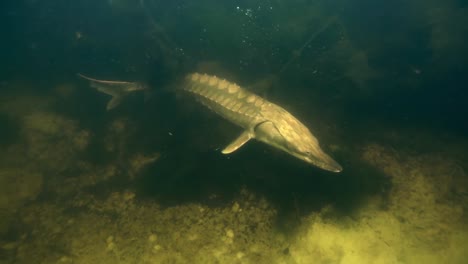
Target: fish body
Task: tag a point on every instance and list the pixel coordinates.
(260, 119)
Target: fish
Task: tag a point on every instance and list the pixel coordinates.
(259, 118)
(117, 89)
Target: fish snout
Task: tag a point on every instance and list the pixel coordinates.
(323, 161)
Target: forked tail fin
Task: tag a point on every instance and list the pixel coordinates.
(117, 89)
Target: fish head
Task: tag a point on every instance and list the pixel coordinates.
(295, 139)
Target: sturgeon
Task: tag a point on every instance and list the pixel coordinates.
(261, 120)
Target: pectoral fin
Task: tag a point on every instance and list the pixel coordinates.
(237, 143)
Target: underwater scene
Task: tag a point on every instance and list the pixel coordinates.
(235, 131)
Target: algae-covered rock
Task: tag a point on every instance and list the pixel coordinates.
(425, 196)
(139, 161)
(368, 240)
(52, 141)
(418, 221)
(421, 220)
(18, 186)
(123, 229)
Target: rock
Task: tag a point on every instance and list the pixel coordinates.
(18, 186)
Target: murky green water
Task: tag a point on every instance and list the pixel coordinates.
(381, 85)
